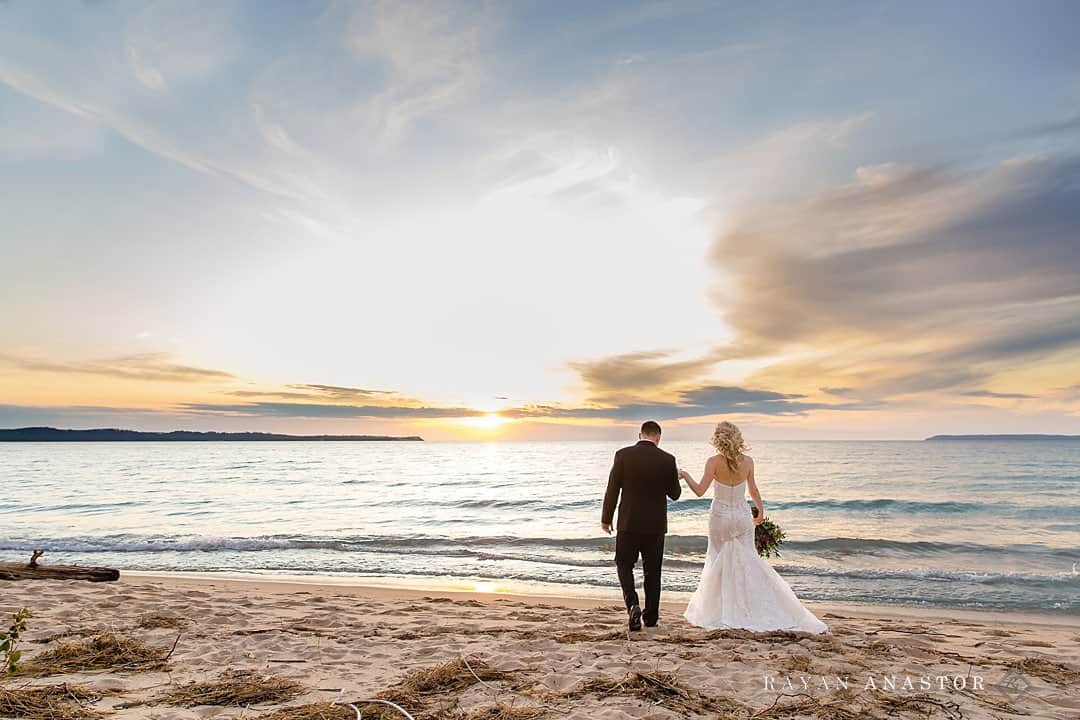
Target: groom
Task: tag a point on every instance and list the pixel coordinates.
(646, 476)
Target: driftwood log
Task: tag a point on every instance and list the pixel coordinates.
(33, 571)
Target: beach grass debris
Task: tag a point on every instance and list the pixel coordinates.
(501, 711)
(810, 708)
(369, 710)
(315, 711)
(233, 688)
(429, 692)
(582, 636)
(802, 705)
(100, 652)
(799, 664)
(372, 711)
(446, 677)
(156, 621)
(922, 705)
(779, 637)
(663, 689)
(1050, 671)
(49, 702)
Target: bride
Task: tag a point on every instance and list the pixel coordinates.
(738, 588)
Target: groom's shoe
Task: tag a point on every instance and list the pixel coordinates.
(651, 623)
(635, 618)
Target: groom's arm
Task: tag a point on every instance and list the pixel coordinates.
(611, 496)
(674, 489)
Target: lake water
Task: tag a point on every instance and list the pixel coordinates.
(993, 524)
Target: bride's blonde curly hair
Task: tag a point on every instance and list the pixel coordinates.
(728, 441)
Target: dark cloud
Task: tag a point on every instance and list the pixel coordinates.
(272, 394)
(697, 402)
(912, 280)
(317, 410)
(1034, 337)
(635, 373)
(147, 366)
(338, 391)
(927, 379)
(1001, 395)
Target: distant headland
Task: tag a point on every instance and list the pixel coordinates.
(49, 434)
(937, 438)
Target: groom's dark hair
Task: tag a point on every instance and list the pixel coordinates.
(651, 428)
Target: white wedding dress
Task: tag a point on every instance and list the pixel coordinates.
(738, 588)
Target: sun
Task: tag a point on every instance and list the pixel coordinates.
(487, 421)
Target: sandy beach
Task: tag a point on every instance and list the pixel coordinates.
(200, 648)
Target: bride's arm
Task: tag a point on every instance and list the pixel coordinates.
(699, 488)
(754, 493)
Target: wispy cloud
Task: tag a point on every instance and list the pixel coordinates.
(147, 366)
(317, 392)
(430, 52)
(168, 46)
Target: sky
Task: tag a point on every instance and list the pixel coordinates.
(541, 220)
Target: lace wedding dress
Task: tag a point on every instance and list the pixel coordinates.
(738, 588)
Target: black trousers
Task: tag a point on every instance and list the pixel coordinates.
(650, 546)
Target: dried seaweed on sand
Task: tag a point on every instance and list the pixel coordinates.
(49, 702)
(500, 711)
(104, 651)
(154, 621)
(441, 679)
(802, 705)
(1050, 671)
(238, 688)
(314, 711)
(660, 688)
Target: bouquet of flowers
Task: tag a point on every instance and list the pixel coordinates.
(768, 536)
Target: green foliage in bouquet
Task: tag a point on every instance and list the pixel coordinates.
(768, 536)
(9, 655)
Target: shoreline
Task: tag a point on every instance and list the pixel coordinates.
(673, 601)
(584, 596)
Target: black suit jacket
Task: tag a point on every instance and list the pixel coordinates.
(646, 477)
